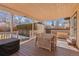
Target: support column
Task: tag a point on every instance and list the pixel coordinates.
(11, 25)
(77, 42)
(33, 29)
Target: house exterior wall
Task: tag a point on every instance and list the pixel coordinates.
(40, 28)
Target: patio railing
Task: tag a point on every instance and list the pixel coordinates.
(6, 35)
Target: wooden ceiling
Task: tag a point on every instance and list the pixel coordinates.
(41, 11)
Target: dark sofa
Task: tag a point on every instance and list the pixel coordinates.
(9, 46)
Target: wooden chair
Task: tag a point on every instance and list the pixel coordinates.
(54, 41)
(46, 41)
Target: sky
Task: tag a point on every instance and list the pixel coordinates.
(26, 20)
(21, 19)
(56, 22)
(49, 22)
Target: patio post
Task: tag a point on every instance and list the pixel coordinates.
(11, 25)
(32, 28)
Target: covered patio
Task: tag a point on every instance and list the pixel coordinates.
(44, 12)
